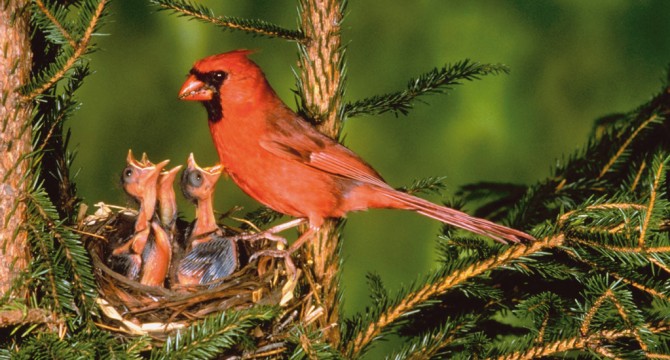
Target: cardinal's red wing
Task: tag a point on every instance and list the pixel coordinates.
(316, 150)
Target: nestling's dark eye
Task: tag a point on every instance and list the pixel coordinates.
(127, 174)
(195, 179)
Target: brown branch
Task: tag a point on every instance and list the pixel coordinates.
(543, 329)
(659, 264)
(609, 295)
(547, 349)
(633, 250)
(24, 317)
(233, 24)
(648, 290)
(652, 202)
(55, 123)
(50, 274)
(638, 175)
(622, 312)
(584, 329)
(577, 343)
(429, 352)
(79, 50)
(443, 285)
(625, 145)
(620, 206)
(56, 23)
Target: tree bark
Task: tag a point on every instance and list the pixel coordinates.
(321, 78)
(15, 141)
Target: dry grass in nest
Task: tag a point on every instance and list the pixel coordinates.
(132, 308)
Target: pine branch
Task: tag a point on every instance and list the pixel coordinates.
(624, 146)
(433, 344)
(437, 81)
(91, 344)
(70, 57)
(252, 26)
(207, 339)
(52, 25)
(310, 345)
(597, 312)
(68, 259)
(498, 198)
(49, 136)
(597, 341)
(659, 169)
(16, 317)
(610, 160)
(434, 184)
(364, 334)
(261, 216)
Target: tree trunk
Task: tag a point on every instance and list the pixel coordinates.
(321, 78)
(15, 138)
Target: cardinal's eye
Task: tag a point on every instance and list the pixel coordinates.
(195, 179)
(215, 78)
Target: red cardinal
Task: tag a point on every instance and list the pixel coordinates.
(280, 160)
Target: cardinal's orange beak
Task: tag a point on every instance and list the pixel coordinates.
(195, 90)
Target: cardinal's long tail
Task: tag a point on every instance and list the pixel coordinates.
(456, 218)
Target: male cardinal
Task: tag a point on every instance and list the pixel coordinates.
(278, 158)
(147, 256)
(210, 256)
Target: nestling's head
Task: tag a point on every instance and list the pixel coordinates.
(198, 183)
(140, 177)
(224, 79)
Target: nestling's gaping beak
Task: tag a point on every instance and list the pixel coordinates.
(195, 90)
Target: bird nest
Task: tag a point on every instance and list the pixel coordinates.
(132, 308)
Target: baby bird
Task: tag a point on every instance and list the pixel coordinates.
(167, 204)
(210, 256)
(139, 257)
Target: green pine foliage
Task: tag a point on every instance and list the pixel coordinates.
(594, 284)
(436, 81)
(212, 336)
(202, 13)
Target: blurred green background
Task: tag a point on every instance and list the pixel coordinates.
(571, 61)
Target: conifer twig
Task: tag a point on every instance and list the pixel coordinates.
(625, 145)
(50, 267)
(432, 82)
(658, 175)
(79, 50)
(56, 23)
(430, 290)
(577, 343)
(648, 290)
(21, 317)
(638, 176)
(252, 26)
